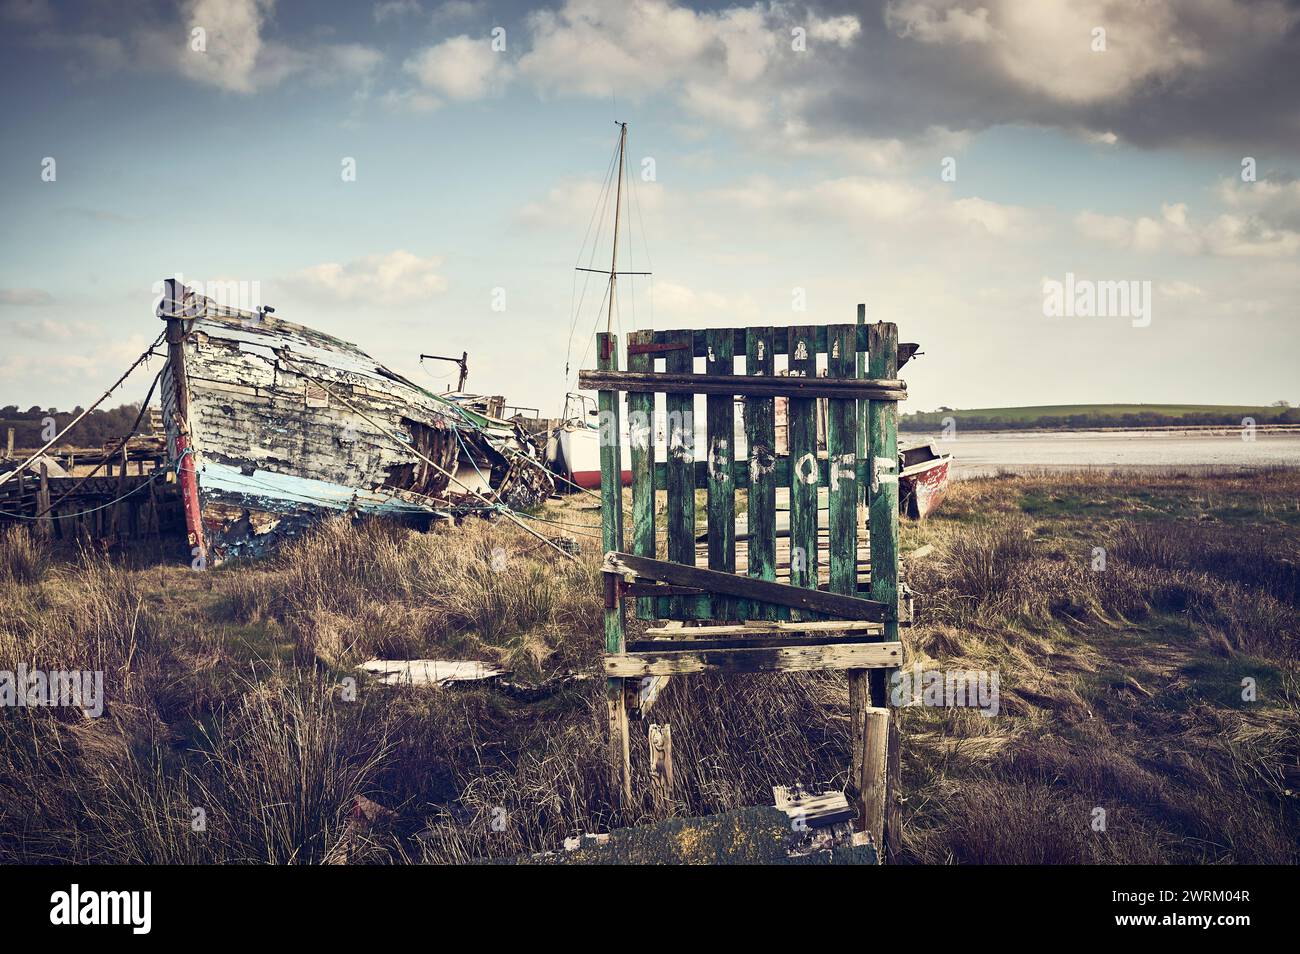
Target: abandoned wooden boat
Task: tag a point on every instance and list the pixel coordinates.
(922, 480)
(271, 425)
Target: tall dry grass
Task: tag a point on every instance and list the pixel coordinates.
(1120, 691)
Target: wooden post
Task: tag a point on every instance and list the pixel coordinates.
(873, 783)
(661, 768)
(882, 461)
(9, 444)
(183, 450)
(882, 450)
(611, 519)
(45, 525)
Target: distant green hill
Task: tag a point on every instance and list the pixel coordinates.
(1098, 415)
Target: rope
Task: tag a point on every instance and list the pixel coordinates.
(144, 406)
(407, 447)
(4, 478)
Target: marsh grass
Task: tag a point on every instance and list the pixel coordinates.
(1121, 690)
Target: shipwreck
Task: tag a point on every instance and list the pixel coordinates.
(271, 425)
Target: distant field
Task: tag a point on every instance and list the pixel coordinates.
(1103, 415)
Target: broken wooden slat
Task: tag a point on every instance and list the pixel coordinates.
(776, 659)
(831, 604)
(429, 672)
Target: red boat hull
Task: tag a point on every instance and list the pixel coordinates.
(922, 489)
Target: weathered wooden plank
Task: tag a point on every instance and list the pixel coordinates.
(841, 454)
(721, 438)
(765, 641)
(611, 520)
(872, 785)
(882, 449)
(779, 659)
(776, 626)
(831, 604)
(760, 436)
(680, 447)
(802, 418)
(641, 416)
(792, 387)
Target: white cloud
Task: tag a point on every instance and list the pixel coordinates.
(1047, 45)
(395, 278)
(233, 41)
(461, 67)
(1229, 235)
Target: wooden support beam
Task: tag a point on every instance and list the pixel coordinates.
(611, 518)
(807, 388)
(836, 655)
(764, 628)
(831, 604)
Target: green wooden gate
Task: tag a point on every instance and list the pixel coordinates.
(815, 590)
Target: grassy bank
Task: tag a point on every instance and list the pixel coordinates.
(1086, 416)
(1120, 689)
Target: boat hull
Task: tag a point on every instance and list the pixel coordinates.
(575, 455)
(921, 488)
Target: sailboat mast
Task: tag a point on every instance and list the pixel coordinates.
(618, 204)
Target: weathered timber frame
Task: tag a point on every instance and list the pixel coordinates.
(819, 602)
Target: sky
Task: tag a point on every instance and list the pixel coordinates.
(416, 176)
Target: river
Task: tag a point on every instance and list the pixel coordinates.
(980, 453)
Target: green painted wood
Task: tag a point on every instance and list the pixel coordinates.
(860, 365)
(841, 453)
(611, 480)
(740, 472)
(700, 348)
(720, 437)
(680, 438)
(801, 418)
(760, 469)
(882, 450)
(641, 436)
